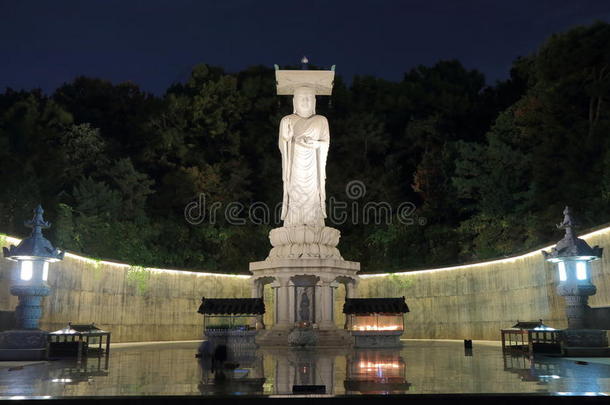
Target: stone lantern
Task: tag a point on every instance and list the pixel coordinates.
(33, 256)
(573, 257)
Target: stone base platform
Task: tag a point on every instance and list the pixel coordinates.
(586, 351)
(322, 275)
(326, 338)
(584, 343)
(304, 268)
(328, 268)
(242, 338)
(23, 354)
(23, 345)
(373, 339)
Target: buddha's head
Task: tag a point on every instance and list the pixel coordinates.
(304, 101)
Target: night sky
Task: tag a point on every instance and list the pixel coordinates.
(154, 43)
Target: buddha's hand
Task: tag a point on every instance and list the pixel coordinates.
(307, 142)
(314, 143)
(287, 129)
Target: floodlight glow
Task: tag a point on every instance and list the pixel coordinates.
(562, 271)
(581, 270)
(62, 380)
(45, 271)
(26, 270)
(373, 365)
(375, 327)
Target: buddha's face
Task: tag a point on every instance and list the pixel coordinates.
(304, 101)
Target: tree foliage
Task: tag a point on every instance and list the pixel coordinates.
(487, 168)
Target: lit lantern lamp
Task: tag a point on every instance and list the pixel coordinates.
(33, 256)
(573, 258)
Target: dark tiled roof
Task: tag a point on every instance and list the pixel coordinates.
(85, 328)
(375, 306)
(529, 325)
(232, 306)
(79, 329)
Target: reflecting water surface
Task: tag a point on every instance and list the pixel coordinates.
(419, 367)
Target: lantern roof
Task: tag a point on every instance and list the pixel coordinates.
(36, 246)
(571, 247)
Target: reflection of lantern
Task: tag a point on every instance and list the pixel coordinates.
(573, 257)
(375, 322)
(33, 255)
(376, 372)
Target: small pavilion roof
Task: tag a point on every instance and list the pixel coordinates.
(78, 329)
(362, 306)
(232, 306)
(530, 325)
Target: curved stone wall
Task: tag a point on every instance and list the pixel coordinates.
(476, 301)
(462, 302)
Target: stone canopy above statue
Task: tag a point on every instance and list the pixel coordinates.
(288, 81)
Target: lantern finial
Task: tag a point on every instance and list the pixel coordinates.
(571, 246)
(36, 246)
(37, 223)
(568, 222)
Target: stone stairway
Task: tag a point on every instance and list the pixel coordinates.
(272, 338)
(334, 338)
(326, 338)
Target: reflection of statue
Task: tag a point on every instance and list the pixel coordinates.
(303, 141)
(304, 307)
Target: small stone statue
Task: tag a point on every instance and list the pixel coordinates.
(304, 307)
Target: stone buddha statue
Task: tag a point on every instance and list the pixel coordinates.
(303, 141)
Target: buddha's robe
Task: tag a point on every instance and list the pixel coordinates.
(304, 169)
